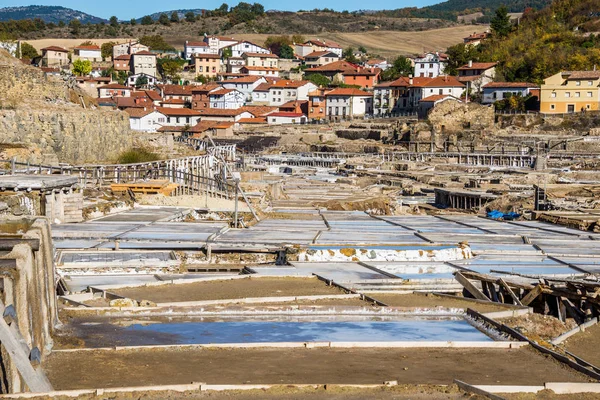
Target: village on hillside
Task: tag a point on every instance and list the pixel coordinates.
(220, 84)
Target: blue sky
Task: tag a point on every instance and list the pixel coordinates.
(138, 8)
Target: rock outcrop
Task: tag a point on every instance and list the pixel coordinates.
(453, 117)
(43, 120)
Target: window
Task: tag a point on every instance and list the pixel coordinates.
(590, 83)
(567, 94)
(589, 94)
(577, 94)
(578, 83)
(552, 106)
(587, 106)
(553, 94)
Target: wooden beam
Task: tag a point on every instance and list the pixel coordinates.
(512, 294)
(531, 296)
(475, 292)
(13, 342)
(7, 244)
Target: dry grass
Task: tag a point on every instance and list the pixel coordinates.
(384, 43)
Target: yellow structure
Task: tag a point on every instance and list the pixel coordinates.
(571, 92)
(208, 65)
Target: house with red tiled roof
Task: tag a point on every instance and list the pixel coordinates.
(201, 95)
(260, 71)
(122, 63)
(378, 63)
(211, 128)
(191, 48)
(145, 119)
(226, 99)
(477, 74)
(128, 48)
(219, 42)
(143, 62)
(318, 58)
(183, 92)
(91, 53)
(54, 56)
(259, 111)
(496, 91)
(286, 118)
(571, 92)
(283, 91)
(440, 85)
(220, 114)
(207, 65)
(90, 84)
(295, 106)
(347, 103)
(245, 84)
(245, 46)
(114, 90)
(268, 60)
(316, 104)
(180, 116)
(319, 45)
(430, 65)
(475, 39)
(132, 80)
(348, 73)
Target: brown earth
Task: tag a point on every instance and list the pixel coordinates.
(549, 395)
(229, 289)
(96, 369)
(586, 345)
(432, 301)
(537, 326)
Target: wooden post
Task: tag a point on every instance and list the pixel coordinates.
(478, 294)
(532, 295)
(510, 292)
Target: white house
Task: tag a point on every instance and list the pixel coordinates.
(152, 80)
(324, 45)
(145, 119)
(190, 48)
(128, 48)
(477, 75)
(442, 85)
(245, 84)
(261, 60)
(239, 48)
(282, 91)
(282, 118)
(378, 63)
(91, 53)
(143, 62)
(114, 89)
(179, 116)
(260, 71)
(496, 91)
(430, 65)
(226, 99)
(219, 42)
(234, 64)
(348, 103)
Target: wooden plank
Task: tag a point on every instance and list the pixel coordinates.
(512, 294)
(475, 292)
(531, 296)
(11, 339)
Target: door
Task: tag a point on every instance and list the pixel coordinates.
(571, 108)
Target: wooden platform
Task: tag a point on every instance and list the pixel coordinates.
(147, 187)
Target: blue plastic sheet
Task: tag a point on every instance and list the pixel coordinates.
(495, 214)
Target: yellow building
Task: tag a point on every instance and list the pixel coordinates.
(208, 65)
(570, 92)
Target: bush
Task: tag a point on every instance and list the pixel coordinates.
(134, 156)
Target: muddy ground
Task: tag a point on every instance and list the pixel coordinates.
(586, 345)
(230, 289)
(431, 301)
(93, 369)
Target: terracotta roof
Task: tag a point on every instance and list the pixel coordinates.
(139, 112)
(582, 74)
(259, 120)
(347, 92)
(263, 87)
(444, 81)
(286, 114)
(469, 78)
(323, 43)
(258, 111)
(316, 54)
(92, 47)
(144, 53)
(476, 36)
(270, 55)
(178, 112)
(341, 66)
(221, 92)
(173, 101)
(127, 102)
(319, 92)
(115, 86)
(419, 81)
(206, 88)
(375, 62)
(435, 97)
(204, 126)
(220, 112)
(286, 84)
(154, 96)
(170, 90)
(293, 103)
(478, 65)
(510, 85)
(55, 48)
(196, 44)
(124, 57)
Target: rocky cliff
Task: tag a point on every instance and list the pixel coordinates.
(43, 120)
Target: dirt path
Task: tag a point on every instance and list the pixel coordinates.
(96, 369)
(230, 289)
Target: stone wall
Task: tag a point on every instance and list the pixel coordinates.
(453, 116)
(45, 120)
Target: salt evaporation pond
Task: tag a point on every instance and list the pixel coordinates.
(142, 333)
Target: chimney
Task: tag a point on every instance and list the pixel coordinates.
(410, 79)
(470, 63)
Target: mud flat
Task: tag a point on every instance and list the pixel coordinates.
(586, 345)
(181, 365)
(229, 289)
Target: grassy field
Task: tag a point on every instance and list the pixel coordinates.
(384, 43)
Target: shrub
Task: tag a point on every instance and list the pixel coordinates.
(137, 155)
